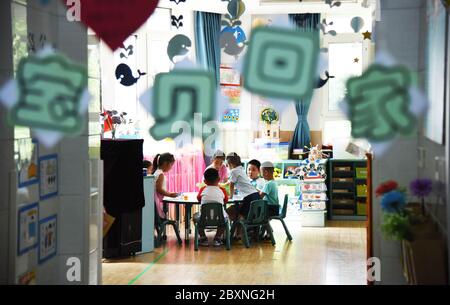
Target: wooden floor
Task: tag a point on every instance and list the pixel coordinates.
(333, 255)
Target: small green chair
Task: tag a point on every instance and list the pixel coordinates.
(282, 216)
(256, 218)
(211, 217)
(160, 226)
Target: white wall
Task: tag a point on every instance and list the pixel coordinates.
(399, 33)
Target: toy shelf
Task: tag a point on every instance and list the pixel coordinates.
(347, 189)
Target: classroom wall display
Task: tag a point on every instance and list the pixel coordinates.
(177, 21)
(232, 36)
(233, 94)
(229, 76)
(26, 158)
(178, 46)
(27, 228)
(231, 115)
(48, 171)
(47, 238)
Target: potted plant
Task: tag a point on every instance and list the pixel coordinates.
(423, 250)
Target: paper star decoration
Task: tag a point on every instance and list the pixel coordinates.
(356, 60)
(367, 35)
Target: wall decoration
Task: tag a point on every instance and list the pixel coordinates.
(48, 171)
(323, 27)
(178, 46)
(357, 24)
(233, 94)
(125, 75)
(178, 1)
(229, 76)
(333, 3)
(26, 155)
(47, 238)
(27, 228)
(28, 278)
(322, 82)
(367, 35)
(232, 115)
(128, 51)
(232, 37)
(177, 21)
(114, 21)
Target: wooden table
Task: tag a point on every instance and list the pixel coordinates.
(189, 199)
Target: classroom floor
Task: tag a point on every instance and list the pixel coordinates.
(332, 255)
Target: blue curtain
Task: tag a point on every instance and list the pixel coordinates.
(302, 137)
(207, 33)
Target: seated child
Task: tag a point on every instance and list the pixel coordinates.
(240, 181)
(253, 172)
(270, 191)
(218, 164)
(162, 164)
(211, 193)
(147, 165)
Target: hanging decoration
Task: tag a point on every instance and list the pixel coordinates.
(323, 26)
(114, 21)
(177, 21)
(178, 46)
(333, 3)
(123, 72)
(233, 38)
(357, 24)
(178, 1)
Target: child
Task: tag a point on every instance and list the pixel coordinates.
(240, 181)
(147, 165)
(162, 164)
(218, 164)
(270, 191)
(253, 172)
(212, 193)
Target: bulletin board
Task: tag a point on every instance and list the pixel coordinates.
(48, 172)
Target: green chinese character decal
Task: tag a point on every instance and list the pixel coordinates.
(379, 103)
(50, 93)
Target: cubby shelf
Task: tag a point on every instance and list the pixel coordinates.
(354, 173)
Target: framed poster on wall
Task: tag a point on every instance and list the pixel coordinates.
(26, 153)
(27, 228)
(47, 238)
(48, 172)
(229, 77)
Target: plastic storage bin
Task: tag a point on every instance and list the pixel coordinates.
(313, 218)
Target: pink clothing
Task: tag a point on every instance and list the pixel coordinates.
(223, 172)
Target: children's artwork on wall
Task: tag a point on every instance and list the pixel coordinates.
(27, 228)
(229, 76)
(178, 46)
(114, 21)
(177, 21)
(232, 115)
(48, 170)
(126, 76)
(233, 94)
(26, 155)
(28, 278)
(47, 238)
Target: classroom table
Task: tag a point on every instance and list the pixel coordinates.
(189, 199)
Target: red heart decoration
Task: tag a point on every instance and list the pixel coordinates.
(115, 20)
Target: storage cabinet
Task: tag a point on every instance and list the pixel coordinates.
(347, 189)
